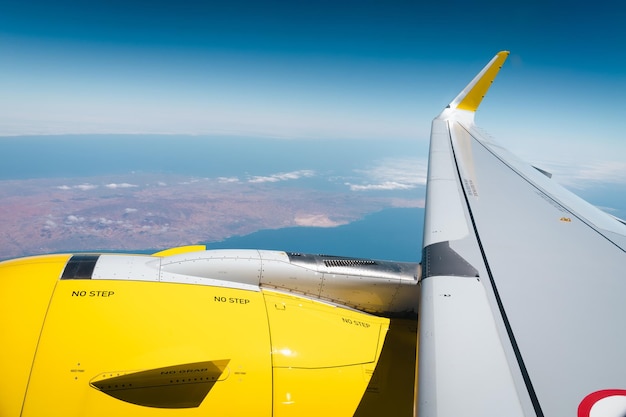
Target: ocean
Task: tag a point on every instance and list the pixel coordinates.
(391, 234)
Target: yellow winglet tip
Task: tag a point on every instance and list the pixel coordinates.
(472, 95)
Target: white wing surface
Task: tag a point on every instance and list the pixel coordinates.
(523, 292)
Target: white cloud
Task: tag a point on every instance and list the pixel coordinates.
(74, 219)
(85, 187)
(608, 171)
(226, 180)
(82, 187)
(189, 182)
(49, 224)
(587, 174)
(387, 185)
(130, 210)
(121, 185)
(393, 174)
(283, 176)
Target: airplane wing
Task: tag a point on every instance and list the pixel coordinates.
(522, 293)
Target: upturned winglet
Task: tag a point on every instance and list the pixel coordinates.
(470, 98)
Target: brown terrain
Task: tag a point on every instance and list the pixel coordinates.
(158, 211)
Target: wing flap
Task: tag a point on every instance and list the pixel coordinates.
(467, 371)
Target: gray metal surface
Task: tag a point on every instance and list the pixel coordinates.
(558, 273)
(373, 286)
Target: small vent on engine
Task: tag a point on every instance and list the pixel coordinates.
(348, 262)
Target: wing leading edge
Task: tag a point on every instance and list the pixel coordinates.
(522, 287)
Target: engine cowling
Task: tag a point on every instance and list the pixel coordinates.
(119, 345)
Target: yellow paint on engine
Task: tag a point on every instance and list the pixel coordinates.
(323, 355)
(95, 327)
(180, 249)
(26, 286)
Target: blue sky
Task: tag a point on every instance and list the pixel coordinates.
(367, 70)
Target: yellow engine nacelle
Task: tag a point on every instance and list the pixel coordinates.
(74, 346)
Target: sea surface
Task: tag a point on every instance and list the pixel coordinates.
(391, 234)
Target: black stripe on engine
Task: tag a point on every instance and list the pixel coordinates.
(80, 267)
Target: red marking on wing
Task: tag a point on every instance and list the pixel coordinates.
(584, 408)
